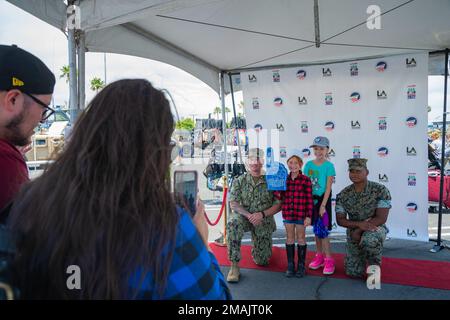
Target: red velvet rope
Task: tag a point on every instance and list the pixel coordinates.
(224, 201)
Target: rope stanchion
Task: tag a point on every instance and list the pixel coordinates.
(222, 241)
(224, 201)
(225, 184)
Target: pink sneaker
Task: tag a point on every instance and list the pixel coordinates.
(329, 266)
(317, 262)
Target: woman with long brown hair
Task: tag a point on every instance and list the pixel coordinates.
(105, 207)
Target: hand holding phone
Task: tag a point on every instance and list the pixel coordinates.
(186, 190)
(186, 196)
(200, 222)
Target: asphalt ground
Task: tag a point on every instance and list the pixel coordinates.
(267, 285)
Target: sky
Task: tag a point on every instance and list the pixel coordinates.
(192, 97)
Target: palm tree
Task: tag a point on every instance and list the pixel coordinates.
(217, 111)
(65, 73)
(227, 111)
(241, 108)
(97, 84)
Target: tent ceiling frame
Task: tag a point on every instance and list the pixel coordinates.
(295, 65)
(167, 45)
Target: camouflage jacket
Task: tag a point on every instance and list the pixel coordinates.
(252, 194)
(359, 206)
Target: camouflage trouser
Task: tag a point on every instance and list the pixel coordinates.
(369, 252)
(261, 237)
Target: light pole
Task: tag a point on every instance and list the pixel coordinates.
(104, 67)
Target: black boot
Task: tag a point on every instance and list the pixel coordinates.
(290, 252)
(301, 271)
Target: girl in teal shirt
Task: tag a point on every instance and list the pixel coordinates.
(321, 172)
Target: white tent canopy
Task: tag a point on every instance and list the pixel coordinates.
(210, 37)
(204, 37)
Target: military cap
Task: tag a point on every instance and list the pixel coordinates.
(357, 164)
(256, 153)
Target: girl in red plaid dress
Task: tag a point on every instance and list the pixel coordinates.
(297, 208)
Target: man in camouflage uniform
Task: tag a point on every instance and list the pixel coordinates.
(363, 208)
(253, 209)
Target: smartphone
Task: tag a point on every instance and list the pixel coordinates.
(185, 190)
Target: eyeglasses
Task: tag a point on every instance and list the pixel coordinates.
(47, 110)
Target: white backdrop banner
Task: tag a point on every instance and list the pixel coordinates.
(374, 109)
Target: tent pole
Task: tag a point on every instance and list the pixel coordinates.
(438, 247)
(224, 123)
(73, 96)
(316, 23)
(104, 67)
(224, 129)
(235, 117)
(81, 72)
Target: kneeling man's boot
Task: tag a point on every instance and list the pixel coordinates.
(234, 273)
(290, 252)
(301, 271)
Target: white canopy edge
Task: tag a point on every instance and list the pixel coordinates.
(108, 31)
(140, 43)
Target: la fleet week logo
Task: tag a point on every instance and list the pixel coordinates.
(411, 92)
(255, 103)
(328, 98)
(326, 72)
(383, 152)
(278, 102)
(276, 76)
(280, 127)
(411, 207)
(329, 126)
(301, 74)
(381, 95)
(353, 69)
(258, 127)
(332, 153)
(411, 122)
(412, 180)
(411, 233)
(383, 178)
(411, 63)
(381, 66)
(306, 153)
(304, 127)
(355, 124)
(302, 101)
(411, 151)
(252, 78)
(355, 97)
(382, 123)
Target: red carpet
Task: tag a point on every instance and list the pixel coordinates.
(408, 272)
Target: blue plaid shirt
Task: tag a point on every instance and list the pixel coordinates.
(194, 273)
